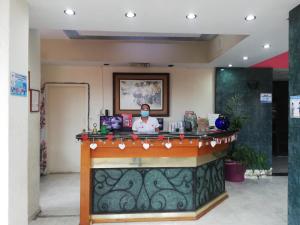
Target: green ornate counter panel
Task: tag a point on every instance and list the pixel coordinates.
(151, 178)
(156, 189)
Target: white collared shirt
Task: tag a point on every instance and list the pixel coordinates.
(148, 127)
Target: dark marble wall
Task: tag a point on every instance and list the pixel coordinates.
(294, 124)
(248, 83)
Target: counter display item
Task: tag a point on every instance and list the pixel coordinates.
(161, 123)
(127, 120)
(112, 123)
(190, 121)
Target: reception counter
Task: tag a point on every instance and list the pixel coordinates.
(129, 177)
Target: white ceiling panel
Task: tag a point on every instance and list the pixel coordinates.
(169, 17)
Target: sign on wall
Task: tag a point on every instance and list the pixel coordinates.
(295, 106)
(18, 84)
(266, 97)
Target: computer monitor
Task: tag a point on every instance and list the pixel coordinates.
(161, 123)
(113, 123)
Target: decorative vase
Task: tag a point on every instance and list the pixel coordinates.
(234, 171)
(222, 122)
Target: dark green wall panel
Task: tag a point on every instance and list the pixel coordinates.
(248, 83)
(294, 124)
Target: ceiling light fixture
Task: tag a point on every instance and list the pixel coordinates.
(230, 65)
(130, 14)
(245, 58)
(250, 17)
(191, 16)
(69, 12)
(267, 46)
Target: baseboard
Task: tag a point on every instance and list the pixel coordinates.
(155, 217)
(280, 174)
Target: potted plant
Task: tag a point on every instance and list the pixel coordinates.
(234, 111)
(240, 157)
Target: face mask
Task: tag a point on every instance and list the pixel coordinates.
(144, 113)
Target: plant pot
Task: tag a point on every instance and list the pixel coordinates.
(234, 171)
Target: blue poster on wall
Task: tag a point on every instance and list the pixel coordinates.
(18, 84)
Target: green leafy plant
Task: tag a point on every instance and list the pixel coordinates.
(250, 158)
(235, 113)
(244, 154)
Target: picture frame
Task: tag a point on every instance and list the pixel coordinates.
(34, 100)
(130, 90)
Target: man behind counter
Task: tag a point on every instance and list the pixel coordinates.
(146, 123)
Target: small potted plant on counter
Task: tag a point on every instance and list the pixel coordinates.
(240, 157)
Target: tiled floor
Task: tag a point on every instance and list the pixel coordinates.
(60, 195)
(254, 202)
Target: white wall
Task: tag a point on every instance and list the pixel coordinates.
(190, 89)
(4, 84)
(34, 128)
(91, 75)
(18, 116)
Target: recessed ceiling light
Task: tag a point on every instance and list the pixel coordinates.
(69, 12)
(230, 65)
(250, 17)
(191, 16)
(245, 58)
(267, 46)
(130, 14)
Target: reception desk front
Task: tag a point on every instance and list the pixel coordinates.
(151, 177)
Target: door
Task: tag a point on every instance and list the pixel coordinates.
(66, 116)
(280, 118)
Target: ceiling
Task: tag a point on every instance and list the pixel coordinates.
(87, 35)
(168, 18)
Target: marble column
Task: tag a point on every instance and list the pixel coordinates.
(294, 124)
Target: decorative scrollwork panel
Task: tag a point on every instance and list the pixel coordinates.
(142, 190)
(156, 189)
(210, 182)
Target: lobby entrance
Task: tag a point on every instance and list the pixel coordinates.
(280, 123)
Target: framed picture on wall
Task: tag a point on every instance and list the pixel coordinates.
(34, 100)
(131, 90)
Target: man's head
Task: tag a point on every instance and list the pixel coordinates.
(145, 107)
(145, 110)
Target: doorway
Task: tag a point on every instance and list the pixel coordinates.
(66, 116)
(67, 113)
(280, 127)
